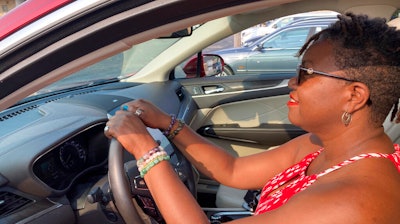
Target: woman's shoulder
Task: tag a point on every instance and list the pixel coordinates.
(376, 177)
(356, 190)
(354, 200)
(303, 145)
(374, 191)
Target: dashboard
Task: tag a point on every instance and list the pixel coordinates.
(54, 151)
(59, 167)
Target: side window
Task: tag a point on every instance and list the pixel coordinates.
(265, 48)
(396, 14)
(293, 38)
(284, 22)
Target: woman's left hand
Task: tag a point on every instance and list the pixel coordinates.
(130, 131)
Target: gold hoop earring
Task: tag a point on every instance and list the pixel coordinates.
(346, 118)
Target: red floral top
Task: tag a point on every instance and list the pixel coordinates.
(268, 201)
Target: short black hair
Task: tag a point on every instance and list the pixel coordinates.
(368, 50)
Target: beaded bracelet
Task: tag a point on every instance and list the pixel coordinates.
(150, 159)
(141, 164)
(171, 124)
(177, 130)
(151, 164)
(146, 156)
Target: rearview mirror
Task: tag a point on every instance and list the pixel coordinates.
(180, 33)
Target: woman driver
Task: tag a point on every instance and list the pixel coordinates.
(345, 170)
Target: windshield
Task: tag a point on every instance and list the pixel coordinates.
(114, 68)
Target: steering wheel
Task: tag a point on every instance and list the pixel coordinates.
(119, 184)
(123, 190)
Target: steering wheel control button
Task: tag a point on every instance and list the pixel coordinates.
(139, 183)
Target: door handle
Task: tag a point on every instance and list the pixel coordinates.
(208, 90)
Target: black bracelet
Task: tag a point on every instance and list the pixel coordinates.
(177, 130)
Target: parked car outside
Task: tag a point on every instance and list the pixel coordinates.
(311, 20)
(307, 20)
(272, 54)
(256, 32)
(68, 65)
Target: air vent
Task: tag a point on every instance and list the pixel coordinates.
(18, 112)
(10, 203)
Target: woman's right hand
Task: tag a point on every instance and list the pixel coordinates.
(150, 115)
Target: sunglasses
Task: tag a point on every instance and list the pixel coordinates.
(303, 74)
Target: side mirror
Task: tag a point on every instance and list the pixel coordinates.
(258, 47)
(205, 65)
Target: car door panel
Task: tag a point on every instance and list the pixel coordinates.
(262, 123)
(248, 116)
(235, 88)
(264, 134)
(248, 111)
